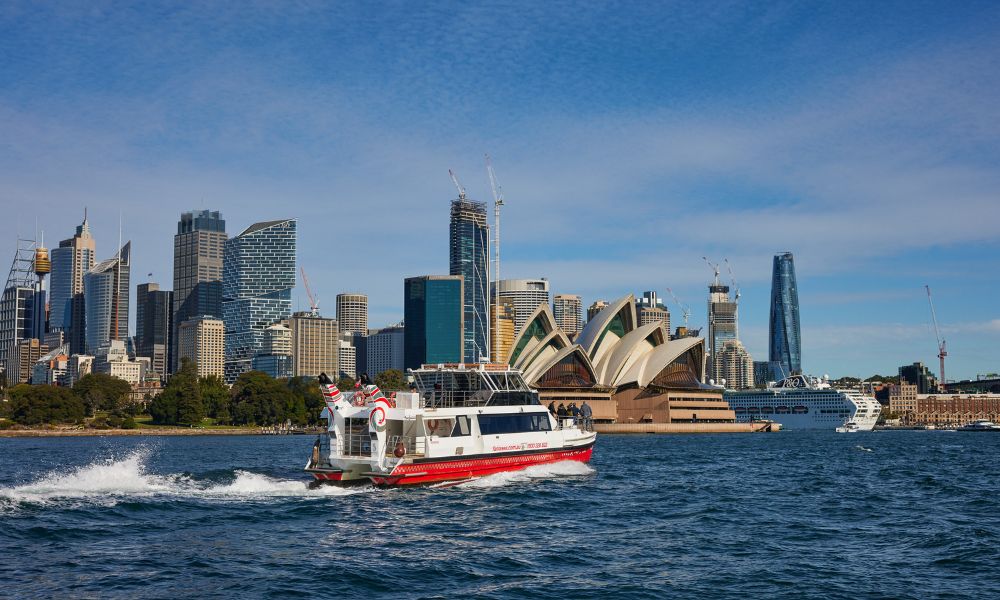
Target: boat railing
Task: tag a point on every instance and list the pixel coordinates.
(453, 398)
(571, 422)
(413, 445)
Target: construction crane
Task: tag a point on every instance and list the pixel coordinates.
(685, 309)
(313, 301)
(497, 203)
(732, 279)
(942, 351)
(714, 267)
(454, 179)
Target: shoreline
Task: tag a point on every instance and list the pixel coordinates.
(150, 431)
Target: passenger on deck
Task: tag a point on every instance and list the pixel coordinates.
(561, 411)
(587, 413)
(574, 411)
(552, 408)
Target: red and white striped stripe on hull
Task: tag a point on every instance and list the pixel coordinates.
(326, 475)
(434, 470)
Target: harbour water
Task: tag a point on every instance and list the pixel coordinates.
(796, 514)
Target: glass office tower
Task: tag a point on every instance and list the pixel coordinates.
(258, 274)
(198, 247)
(469, 243)
(785, 343)
(106, 298)
(433, 312)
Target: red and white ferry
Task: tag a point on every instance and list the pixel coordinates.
(462, 422)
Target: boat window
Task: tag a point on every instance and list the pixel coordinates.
(514, 423)
(441, 427)
(462, 426)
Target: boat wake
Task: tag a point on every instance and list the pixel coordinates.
(863, 449)
(556, 470)
(110, 481)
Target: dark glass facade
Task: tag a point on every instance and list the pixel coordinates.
(785, 342)
(198, 248)
(153, 319)
(433, 313)
(468, 248)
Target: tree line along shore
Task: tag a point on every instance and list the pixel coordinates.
(101, 404)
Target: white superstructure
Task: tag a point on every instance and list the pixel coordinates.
(801, 402)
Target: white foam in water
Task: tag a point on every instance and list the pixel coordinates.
(566, 468)
(863, 449)
(108, 481)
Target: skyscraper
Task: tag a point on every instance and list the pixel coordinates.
(650, 309)
(502, 329)
(154, 325)
(73, 259)
(202, 341)
(783, 332)
(433, 311)
(526, 294)
(258, 275)
(106, 297)
(198, 248)
(734, 365)
(469, 245)
(315, 343)
(385, 349)
(352, 313)
(722, 326)
(568, 312)
(275, 358)
(594, 309)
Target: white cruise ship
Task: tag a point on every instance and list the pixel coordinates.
(801, 402)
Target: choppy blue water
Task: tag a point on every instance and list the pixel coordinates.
(794, 514)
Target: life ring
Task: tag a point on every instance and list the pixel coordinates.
(431, 424)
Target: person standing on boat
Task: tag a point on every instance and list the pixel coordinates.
(574, 411)
(587, 414)
(561, 412)
(552, 408)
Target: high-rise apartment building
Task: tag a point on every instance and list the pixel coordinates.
(385, 349)
(568, 312)
(785, 342)
(734, 365)
(722, 324)
(154, 325)
(502, 329)
(526, 294)
(106, 299)
(433, 311)
(352, 313)
(346, 356)
(595, 308)
(202, 340)
(198, 248)
(315, 343)
(275, 357)
(73, 259)
(258, 275)
(650, 309)
(469, 236)
(23, 358)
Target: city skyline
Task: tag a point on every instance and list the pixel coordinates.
(844, 163)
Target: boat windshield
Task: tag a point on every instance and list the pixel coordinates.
(447, 387)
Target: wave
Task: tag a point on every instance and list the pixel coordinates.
(565, 468)
(109, 481)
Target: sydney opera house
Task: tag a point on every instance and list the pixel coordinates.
(626, 372)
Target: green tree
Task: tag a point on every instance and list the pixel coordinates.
(216, 398)
(259, 399)
(180, 402)
(345, 384)
(101, 391)
(37, 404)
(391, 380)
(307, 388)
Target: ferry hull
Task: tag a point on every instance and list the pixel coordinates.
(459, 469)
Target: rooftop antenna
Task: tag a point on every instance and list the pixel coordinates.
(497, 203)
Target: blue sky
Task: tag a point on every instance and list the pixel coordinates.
(630, 140)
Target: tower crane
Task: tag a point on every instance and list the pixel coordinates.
(942, 350)
(454, 179)
(497, 203)
(313, 302)
(714, 267)
(732, 278)
(685, 309)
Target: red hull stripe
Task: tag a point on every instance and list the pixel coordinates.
(433, 472)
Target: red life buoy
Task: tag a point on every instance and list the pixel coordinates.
(432, 424)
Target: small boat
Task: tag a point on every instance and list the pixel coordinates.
(461, 423)
(980, 425)
(849, 427)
